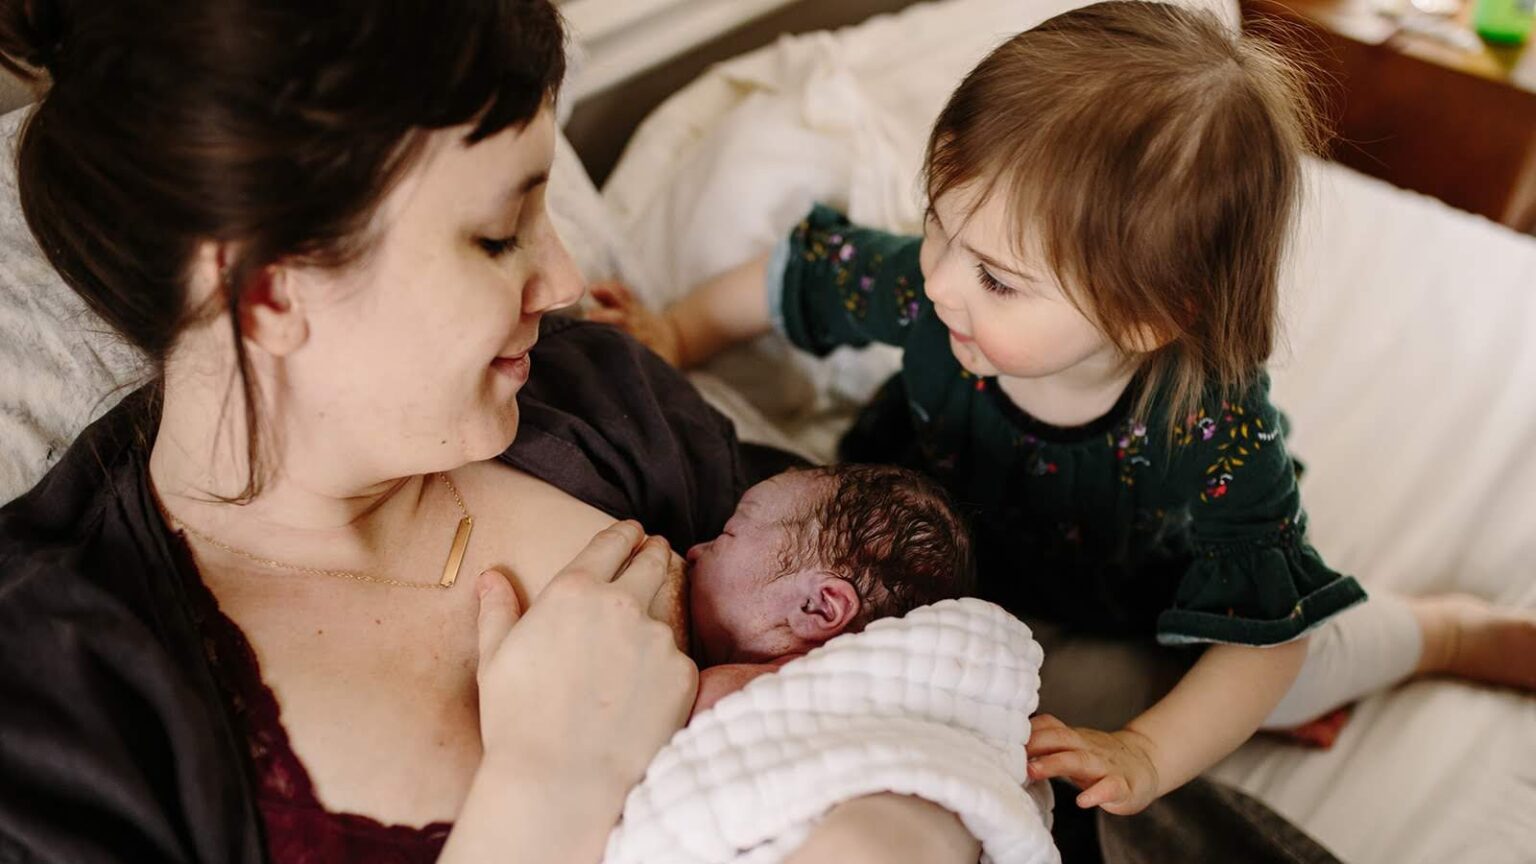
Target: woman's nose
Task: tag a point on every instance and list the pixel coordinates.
(558, 283)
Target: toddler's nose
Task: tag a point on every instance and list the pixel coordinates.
(694, 552)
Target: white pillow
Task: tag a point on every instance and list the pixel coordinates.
(61, 366)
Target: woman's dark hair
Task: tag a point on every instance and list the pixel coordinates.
(276, 127)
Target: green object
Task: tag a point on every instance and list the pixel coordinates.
(1504, 22)
(1110, 527)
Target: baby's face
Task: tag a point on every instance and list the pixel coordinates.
(739, 610)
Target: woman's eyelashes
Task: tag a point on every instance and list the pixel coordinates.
(497, 246)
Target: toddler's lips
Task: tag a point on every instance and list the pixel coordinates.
(960, 337)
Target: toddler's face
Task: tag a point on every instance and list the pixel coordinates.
(1006, 316)
(738, 607)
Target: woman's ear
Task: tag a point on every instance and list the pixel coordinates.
(828, 604)
(271, 314)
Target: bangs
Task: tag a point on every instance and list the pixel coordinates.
(489, 63)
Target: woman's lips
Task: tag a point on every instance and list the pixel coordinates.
(515, 367)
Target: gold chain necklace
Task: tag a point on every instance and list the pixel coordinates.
(450, 567)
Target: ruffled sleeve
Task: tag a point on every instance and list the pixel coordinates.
(846, 285)
(1255, 579)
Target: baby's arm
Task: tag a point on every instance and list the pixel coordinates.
(728, 309)
(1217, 706)
(718, 682)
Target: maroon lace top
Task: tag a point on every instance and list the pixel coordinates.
(299, 830)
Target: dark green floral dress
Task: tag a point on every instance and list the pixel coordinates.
(1114, 526)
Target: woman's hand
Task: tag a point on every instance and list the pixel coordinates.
(617, 305)
(608, 681)
(1116, 770)
(574, 701)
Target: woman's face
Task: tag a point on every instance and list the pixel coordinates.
(413, 358)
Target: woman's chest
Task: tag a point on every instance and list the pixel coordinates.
(375, 686)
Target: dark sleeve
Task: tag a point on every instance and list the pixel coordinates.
(610, 423)
(846, 285)
(105, 753)
(1255, 579)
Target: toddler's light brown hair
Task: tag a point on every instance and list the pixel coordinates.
(1152, 156)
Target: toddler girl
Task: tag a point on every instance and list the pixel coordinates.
(1084, 324)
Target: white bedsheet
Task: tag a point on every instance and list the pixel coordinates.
(1410, 373)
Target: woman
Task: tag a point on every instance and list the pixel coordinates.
(228, 631)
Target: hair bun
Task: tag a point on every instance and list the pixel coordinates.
(32, 34)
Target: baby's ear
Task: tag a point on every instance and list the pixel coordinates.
(828, 604)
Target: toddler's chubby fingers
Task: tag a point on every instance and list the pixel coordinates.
(1054, 739)
(1106, 793)
(611, 294)
(607, 315)
(1079, 766)
(1041, 722)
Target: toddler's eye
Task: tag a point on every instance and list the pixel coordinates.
(497, 246)
(991, 283)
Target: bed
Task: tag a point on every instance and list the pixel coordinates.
(1408, 369)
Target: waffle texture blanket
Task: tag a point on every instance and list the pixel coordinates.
(934, 704)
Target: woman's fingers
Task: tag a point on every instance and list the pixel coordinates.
(499, 610)
(647, 572)
(605, 555)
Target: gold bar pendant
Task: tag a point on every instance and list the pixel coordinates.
(456, 554)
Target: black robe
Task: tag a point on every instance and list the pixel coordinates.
(115, 744)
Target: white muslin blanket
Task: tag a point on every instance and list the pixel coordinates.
(934, 704)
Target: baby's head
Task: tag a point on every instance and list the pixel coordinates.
(814, 553)
(1115, 186)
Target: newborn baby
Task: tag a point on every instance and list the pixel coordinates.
(810, 554)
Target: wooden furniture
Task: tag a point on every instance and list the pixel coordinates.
(1455, 122)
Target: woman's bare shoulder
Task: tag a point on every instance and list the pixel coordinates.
(527, 527)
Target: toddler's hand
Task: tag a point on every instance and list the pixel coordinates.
(618, 306)
(1115, 770)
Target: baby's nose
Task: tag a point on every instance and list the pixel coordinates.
(694, 552)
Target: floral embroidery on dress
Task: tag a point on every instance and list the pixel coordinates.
(907, 306)
(1035, 462)
(1238, 438)
(836, 248)
(1128, 442)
